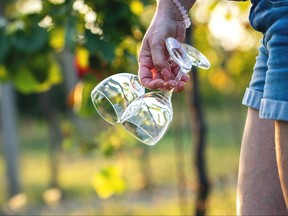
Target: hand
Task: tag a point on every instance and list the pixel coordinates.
(155, 69)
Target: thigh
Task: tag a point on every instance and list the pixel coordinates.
(259, 191)
(281, 133)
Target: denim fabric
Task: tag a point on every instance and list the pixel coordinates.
(268, 89)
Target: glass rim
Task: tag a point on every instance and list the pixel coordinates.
(137, 137)
(94, 92)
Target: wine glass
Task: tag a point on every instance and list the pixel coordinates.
(149, 116)
(113, 95)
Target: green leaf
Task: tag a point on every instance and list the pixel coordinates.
(4, 47)
(25, 81)
(29, 40)
(103, 47)
(37, 74)
(3, 73)
(87, 107)
(108, 182)
(39, 66)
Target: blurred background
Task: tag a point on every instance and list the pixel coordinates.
(58, 156)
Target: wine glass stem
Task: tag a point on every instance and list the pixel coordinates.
(181, 72)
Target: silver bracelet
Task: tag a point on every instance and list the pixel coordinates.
(186, 18)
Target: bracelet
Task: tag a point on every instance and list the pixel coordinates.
(186, 18)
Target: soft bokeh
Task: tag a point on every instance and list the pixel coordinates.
(58, 156)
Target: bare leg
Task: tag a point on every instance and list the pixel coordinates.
(281, 133)
(259, 191)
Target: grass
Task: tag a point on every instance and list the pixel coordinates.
(76, 171)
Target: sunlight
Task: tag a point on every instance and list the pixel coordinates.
(46, 22)
(78, 4)
(17, 202)
(90, 16)
(227, 26)
(29, 6)
(202, 13)
(52, 196)
(57, 1)
(229, 31)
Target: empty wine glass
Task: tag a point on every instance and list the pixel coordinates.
(149, 116)
(113, 95)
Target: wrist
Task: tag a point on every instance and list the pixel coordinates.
(175, 9)
(185, 16)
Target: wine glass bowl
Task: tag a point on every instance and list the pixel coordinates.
(121, 98)
(114, 94)
(148, 117)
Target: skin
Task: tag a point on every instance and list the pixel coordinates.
(281, 133)
(259, 190)
(155, 71)
(263, 166)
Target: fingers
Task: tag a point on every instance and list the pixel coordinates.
(159, 84)
(180, 87)
(149, 79)
(157, 80)
(157, 71)
(149, 76)
(176, 86)
(160, 57)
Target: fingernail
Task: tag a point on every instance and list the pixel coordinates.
(185, 78)
(174, 83)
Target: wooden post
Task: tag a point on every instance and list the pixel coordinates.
(199, 131)
(9, 128)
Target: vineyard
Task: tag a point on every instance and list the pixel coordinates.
(58, 156)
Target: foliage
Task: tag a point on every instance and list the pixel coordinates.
(26, 58)
(113, 142)
(222, 32)
(101, 35)
(77, 172)
(108, 182)
(31, 37)
(104, 37)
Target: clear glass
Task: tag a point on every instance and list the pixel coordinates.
(149, 116)
(114, 94)
(121, 98)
